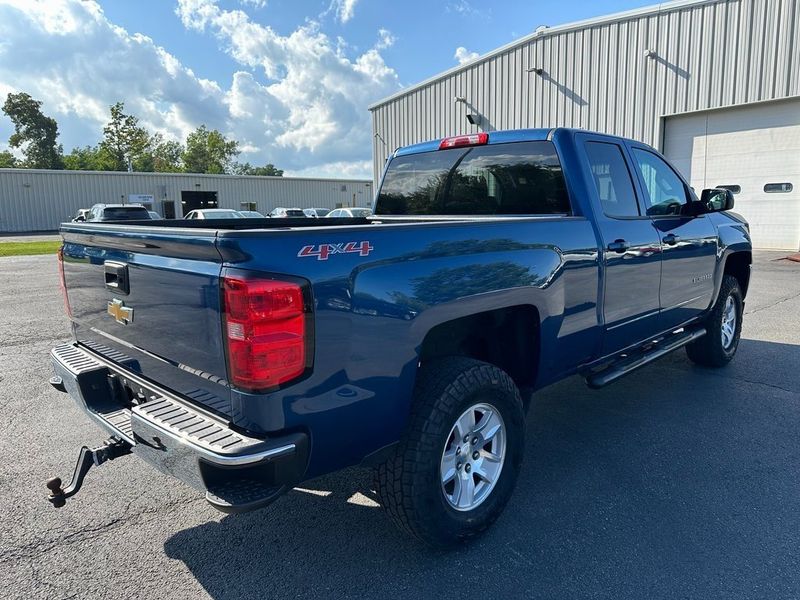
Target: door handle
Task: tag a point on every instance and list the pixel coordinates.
(116, 275)
(671, 239)
(618, 246)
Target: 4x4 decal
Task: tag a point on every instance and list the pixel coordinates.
(323, 251)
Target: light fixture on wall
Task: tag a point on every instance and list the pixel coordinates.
(537, 70)
(650, 53)
(461, 99)
(26, 185)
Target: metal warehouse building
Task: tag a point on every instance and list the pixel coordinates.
(713, 84)
(38, 200)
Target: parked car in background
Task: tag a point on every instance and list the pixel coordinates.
(350, 212)
(214, 213)
(284, 213)
(153, 214)
(316, 213)
(81, 215)
(117, 212)
(251, 214)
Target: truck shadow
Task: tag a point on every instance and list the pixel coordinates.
(679, 481)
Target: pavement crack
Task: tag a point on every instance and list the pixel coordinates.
(36, 548)
(776, 303)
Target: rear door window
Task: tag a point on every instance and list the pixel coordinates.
(612, 179)
(521, 178)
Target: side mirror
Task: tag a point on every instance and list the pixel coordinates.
(79, 219)
(716, 199)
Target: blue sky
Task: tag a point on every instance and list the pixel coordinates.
(290, 79)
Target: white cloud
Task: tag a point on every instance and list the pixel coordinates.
(344, 9)
(385, 39)
(466, 9)
(310, 115)
(464, 56)
(254, 3)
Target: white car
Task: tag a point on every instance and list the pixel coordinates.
(350, 212)
(284, 213)
(316, 213)
(214, 213)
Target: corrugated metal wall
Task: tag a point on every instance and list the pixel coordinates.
(595, 74)
(33, 200)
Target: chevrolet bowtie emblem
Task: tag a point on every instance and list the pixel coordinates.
(121, 313)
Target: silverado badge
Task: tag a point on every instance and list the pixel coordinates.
(121, 313)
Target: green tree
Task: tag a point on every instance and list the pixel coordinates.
(8, 160)
(125, 140)
(208, 151)
(90, 158)
(35, 133)
(165, 155)
(268, 170)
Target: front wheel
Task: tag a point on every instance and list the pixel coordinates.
(723, 327)
(457, 465)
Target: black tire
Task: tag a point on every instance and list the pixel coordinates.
(709, 351)
(409, 485)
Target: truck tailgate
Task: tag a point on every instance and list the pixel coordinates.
(149, 299)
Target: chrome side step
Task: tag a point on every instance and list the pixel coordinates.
(633, 361)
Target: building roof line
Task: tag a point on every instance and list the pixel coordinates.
(543, 33)
(191, 175)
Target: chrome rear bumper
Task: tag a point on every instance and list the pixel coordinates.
(178, 437)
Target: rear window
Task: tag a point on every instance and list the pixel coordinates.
(125, 213)
(521, 178)
(295, 213)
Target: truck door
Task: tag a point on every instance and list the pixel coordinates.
(631, 247)
(689, 243)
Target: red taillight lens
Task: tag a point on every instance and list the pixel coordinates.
(474, 139)
(63, 282)
(265, 326)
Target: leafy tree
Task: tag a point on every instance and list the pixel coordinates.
(166, 155)
(90, 158)
(125, 140)
(208, 151)
(34, 133)
(268, 170)
(8, 160)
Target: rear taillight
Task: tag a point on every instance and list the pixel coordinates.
(265, 327)
(63, 282)
(473, 139)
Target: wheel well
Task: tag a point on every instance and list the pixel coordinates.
(738, 265)
(507, 338)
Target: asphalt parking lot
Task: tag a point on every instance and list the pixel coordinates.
(677, 482)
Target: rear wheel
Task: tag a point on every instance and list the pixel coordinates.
(457, 465)
(723, 328)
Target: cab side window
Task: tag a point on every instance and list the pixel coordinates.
(612, 179)
(665, 193)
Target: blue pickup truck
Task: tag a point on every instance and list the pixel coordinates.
(248, 355)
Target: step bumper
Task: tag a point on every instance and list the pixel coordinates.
(238, 472)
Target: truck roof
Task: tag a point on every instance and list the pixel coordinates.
(500, 137)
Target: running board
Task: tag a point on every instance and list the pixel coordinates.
(631, 362)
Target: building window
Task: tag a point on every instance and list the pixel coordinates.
(735, 189)
(778, 188)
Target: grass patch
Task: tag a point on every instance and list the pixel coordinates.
(28, 248)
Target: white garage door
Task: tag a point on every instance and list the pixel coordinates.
(756, 151)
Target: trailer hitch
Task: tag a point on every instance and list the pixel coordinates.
(112, 448)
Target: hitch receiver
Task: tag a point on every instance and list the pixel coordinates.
(112, 448)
